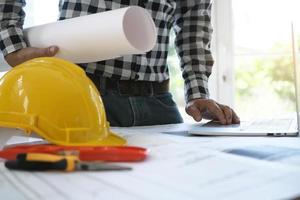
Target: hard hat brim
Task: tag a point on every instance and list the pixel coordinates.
(113, 140)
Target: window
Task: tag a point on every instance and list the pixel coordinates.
(263, 65)
(254, 56)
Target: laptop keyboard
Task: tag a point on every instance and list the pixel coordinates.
(274, 124)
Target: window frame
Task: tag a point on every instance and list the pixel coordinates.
(222, 84)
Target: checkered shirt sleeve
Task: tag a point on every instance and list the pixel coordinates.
(193, 37)
(11, 23)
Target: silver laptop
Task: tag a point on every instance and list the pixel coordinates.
(263, 127)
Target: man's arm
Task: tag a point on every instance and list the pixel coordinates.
(11, 24)
(193, 30)
(12, 43)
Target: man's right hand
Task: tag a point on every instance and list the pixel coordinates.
(22, 55)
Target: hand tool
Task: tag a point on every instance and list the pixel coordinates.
(46, 162)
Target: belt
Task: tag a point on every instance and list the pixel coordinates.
(130, 87)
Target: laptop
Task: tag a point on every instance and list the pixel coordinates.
(289, 126)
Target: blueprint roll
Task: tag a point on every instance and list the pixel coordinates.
(97, 37)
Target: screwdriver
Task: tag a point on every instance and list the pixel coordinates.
(68, 163)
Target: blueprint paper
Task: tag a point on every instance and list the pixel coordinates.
(173, 171)
(97, 37)
(177, 168)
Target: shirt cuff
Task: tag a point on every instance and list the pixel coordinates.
(196, 88)
(11, 39)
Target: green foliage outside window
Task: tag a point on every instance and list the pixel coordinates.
(176, 80)
(266, 78)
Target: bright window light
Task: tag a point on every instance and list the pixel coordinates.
(263, 57)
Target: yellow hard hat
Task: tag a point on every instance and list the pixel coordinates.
(56, 100)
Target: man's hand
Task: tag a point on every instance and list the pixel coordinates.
(209, 109)
(28, 53)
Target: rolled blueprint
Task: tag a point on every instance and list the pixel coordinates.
(97, 37)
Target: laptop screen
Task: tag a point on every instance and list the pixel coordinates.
(296, 61)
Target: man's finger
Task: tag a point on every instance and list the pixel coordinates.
(44, 52)
(52, 50)
(228, 113)
(235, 118)
(216, 111)
(194, 112)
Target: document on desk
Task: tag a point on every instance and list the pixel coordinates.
(172, 171)
(276, 149)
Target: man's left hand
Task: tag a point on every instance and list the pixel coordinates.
(210, 109)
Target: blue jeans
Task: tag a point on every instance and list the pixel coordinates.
(127, 111)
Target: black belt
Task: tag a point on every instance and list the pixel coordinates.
(129, 87)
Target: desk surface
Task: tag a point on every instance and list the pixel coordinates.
(178, 167)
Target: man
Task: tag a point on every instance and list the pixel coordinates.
(134, 89)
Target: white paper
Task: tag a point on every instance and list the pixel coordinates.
(7, 133)
(173, 171)
(97, 37)
(274, 149)
(178, 167)
(13, 136)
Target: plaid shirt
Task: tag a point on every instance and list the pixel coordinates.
(190, 19)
